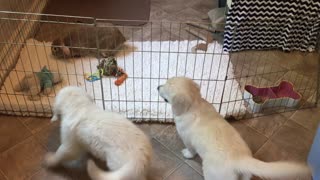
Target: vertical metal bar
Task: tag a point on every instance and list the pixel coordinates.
(224, 86)
(98, 55)
(11, 56)
(159, 69)
(142, 101)
(187, 52)
(133, 78)
(168, 67)
(151, 70)
(125, 82)
(178, 53)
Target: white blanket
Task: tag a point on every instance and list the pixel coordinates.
(146, 67)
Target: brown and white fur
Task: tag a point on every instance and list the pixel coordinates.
(83, 42)
(224, 154)
(106, 135)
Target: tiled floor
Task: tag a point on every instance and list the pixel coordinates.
(24, 141)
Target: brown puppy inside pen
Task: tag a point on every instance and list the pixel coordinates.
(83, 42)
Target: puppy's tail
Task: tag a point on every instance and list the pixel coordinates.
(126, 172)
(273, 169)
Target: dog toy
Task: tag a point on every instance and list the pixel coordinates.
(36, 82)
(92, 77)
(109, 67)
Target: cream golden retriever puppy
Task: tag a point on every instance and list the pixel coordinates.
(106, 135)
(224, 154)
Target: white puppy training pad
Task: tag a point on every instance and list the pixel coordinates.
(150, 65)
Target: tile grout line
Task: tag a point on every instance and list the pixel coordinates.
(173, 170)
(30, 129)
(194, 168)
(21, 121)
(293, 121)
(269, 138)
(175, 154)
(163, 130)
(304, 128)
(23, 139)
(252, 129)
(32, 135)
(168, 149)
(17, 144)
(286, 119)
(1, 172)
(179, 165)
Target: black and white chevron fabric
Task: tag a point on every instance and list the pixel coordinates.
(269, 24)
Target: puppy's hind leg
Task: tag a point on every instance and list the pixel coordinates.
(64, 153)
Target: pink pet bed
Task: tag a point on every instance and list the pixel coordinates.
(282, 95)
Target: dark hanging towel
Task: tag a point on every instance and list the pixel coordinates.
(272, 24)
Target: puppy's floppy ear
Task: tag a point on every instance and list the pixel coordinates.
(180, 104)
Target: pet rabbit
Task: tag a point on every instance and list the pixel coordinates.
(83, 42)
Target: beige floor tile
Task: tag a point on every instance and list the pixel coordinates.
(156, 13)
(47, 174)
(12, 131)
(294, 137)
(23, 160)
(62, 173)
(49, 136)
(272, 152)
(189, 14)
(164, 162)
(204, 6)
(252, 137)
(156, 31)
(171, 7)
(300, 82)
(2, 177)
(34, 123)
(288, 114)
(266, 125)
(184, 172)
(286, 60)
(169, 137)
(308, 118)
(195, 163)
(291, 142)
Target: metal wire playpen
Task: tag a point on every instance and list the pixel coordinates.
(152, 54)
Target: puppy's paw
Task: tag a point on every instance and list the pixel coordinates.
(187, 154)
(54, 118)
(50, 160)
